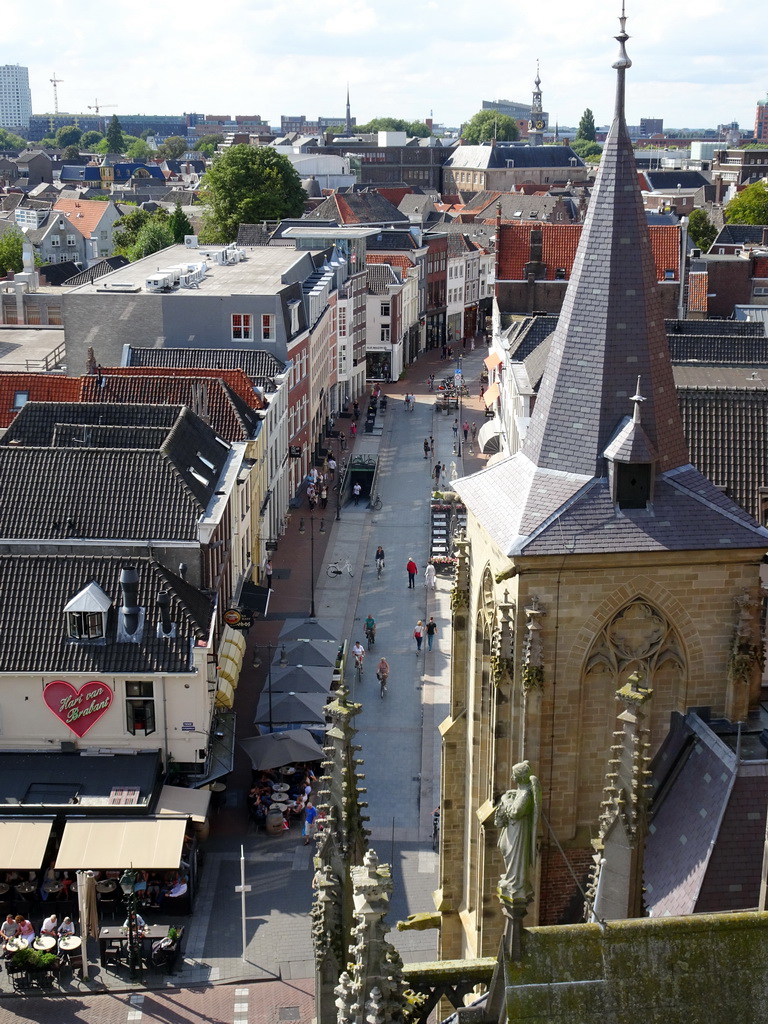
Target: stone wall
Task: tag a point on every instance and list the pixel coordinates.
(685, 970)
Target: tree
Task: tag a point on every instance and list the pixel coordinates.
(115, 140)
(172, 148)
(9, 141)
(701, 230)
(487, 125)
(11, 247)
(586, 130)
(208, 144)
(139, 152)
(179, 224)
(247, 184)
(392, 124)
(90, 139)
(71, 153)
(156, 234)
(69, 135)
(750, 206)
(590, 152)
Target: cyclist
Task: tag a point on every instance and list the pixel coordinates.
(382, 674)
(370, 630)
(379, 558)
(359, 652)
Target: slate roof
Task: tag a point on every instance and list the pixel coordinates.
(663, 181)
(742, 234)
(560, 243)
(35, 425)
(36, 588)
(553, 496)
(258, 365)
(108, 493)
(97, 270)
(358, 208)
(252, 234)
(483, 157)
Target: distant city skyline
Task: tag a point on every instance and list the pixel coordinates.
(289, 57)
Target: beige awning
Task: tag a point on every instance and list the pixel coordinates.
(23, 843)
(491, 395)
(233, 636)
(231, 651)
(492, 360)
(178, 800)
(151, 843)
(225, 694)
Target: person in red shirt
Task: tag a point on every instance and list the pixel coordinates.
(411, 569)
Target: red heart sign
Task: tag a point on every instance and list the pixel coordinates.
(78, 709)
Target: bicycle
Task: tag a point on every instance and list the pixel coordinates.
(336, 569)
(379, 567)
(382, 684)
(370, 635)
(359, 667)
(436, 829)
(376, 503)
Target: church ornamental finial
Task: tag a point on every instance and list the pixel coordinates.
(638, 399)
(623, 62)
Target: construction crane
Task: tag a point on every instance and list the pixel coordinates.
(100, 106)
(54, 82)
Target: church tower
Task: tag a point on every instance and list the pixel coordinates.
(348, 125)
(595, 555)
(536, 120)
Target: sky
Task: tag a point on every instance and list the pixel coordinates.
(439, 57)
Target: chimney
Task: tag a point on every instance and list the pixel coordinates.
(165, 628)
(129, 583)
(764, 240)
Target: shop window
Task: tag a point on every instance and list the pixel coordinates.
(140, 708)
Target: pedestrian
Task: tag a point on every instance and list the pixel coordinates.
(312, 503)
(356, 409)
(379, 558)
(324, 496)
(472, 344)
(411, 569)
(268, 572)
(426, 448)
(465, 428)
(482, 390)
(308, 828)
(332, 467)
(443, 351)
(311, 492)
(431, 630)
(437, 473)
(430, 577)
(353, 429)
(342, 440)
(464, 342)
(418, 635)
(432, 446)
(356, 492)
(456, 428)
(474, 431)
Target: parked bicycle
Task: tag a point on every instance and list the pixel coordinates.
(436, 829)
(337, 568)
(376, 504)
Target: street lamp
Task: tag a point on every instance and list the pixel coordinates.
(128, 885)
(268, 647)
(311, 558)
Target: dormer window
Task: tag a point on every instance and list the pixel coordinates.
(86, 614)
(633, 484)
(631, 460)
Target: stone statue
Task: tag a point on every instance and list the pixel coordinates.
(517, 815)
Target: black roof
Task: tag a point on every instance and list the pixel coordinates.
(664, 180)
(260, 366)
(109, 493)
(37, 423)
(740, 234)
(36, 589)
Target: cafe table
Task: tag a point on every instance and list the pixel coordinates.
(52, 887)
(108, 885)
(288, 769)
(4, 887)
(25, 888)
(44, 942)
(14, 945)
(280, 787)
(150, 934)
(280, 798)
(70, 943)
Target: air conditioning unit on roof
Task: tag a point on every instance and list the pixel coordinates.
(190, 241)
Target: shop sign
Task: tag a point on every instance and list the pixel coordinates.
(294, 450)
(239, 618)
(187, 726)
(79, 709)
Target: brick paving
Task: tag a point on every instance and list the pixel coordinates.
(399, 737)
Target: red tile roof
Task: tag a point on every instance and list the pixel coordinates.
(392, 259)
(559, 244)
(41, 387)
(697, 291)
(84, 214)
(238, 380)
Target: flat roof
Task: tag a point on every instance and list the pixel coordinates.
(24, 349)
(696, 375)
(331, 231)
(261, 272)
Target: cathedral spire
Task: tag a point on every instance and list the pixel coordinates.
(348, 126)
(611, 328)
(536, 120)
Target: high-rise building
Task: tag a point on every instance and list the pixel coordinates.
(15, 97)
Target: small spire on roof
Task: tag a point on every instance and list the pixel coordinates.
(638, 399)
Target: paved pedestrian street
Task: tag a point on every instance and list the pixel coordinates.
(398, 735)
